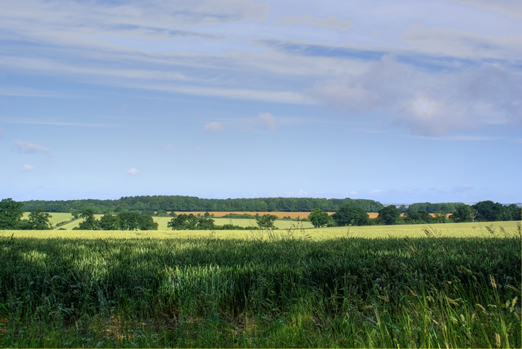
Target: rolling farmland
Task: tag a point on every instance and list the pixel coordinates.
(457, 285)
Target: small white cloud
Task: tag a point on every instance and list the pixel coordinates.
(213, 127)
(133, 172)
(375, 192)
(27, 168)
(301, 192)
(376, 33)
(330, 22)
(27, 147)
(198, 149)
(353, 192)
(267, 121)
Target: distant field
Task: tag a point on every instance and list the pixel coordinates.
(380, 231)
(56, 217)
(280, 214)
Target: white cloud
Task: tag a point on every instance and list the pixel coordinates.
(27, 168)
(428, 103)
(133, 172)
(512, 8)
(213, 127)
(267, 121)
(353, 193)
(330, 22)
(199, 149)
(375, 192)
(27, 147)
(444, 42)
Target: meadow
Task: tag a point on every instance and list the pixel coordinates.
(446, 285)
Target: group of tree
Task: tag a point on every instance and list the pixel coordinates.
(162, 204)
(190, 222)
(120, 221)
(11, 213)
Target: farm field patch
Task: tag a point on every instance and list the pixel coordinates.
(368, 288)
(56, 217)
(461, 230)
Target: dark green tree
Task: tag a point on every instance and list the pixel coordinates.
(266, 221)
(441, 217)
(488, 211)
(389, 215)
(109, 222)
(10, 213)
(462, 214)
(183, 222)
(146, 222)
(319, 218)
(515, 212)
(351, 215)
(89, 222)
(205, 223)
(418, 217)
(39, 220)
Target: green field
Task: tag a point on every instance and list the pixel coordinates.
(461, 230)
(458, 285)
(162, 221)
(56, 217)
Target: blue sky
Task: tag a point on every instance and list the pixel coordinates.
(403, 101)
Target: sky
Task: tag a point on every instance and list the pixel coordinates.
(396, 101)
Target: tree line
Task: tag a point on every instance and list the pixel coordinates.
(162, 204)
(11, 213)
(484, 211)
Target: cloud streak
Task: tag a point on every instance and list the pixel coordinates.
(330, 22)
(29, 148)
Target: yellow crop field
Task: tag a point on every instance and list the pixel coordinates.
(461, 230)
(56, 217)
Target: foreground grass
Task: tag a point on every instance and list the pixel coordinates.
(212, 292)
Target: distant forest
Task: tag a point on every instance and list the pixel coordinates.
(151, 204)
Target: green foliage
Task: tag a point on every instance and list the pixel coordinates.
(488, 211)
(418, 217)
(39, 220)
(109, 222)
(149, 204)
(89, 223)
(319, 218)
(191, 222)
(463, 213)
(448, 207)
(266, 221)
(346, 292)
(350, 215)
(389, 215)
(440, 217)
(136, 221)
(10, 214)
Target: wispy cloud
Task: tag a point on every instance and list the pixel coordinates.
(330, 22)
(198, 149)
(428, 103)
(512, 8)
(27, 168)
(267, 121)
(29, 148)
(48, 122)
(133, 172)
(213, 127)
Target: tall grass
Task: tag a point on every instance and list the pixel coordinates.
(279, 289)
